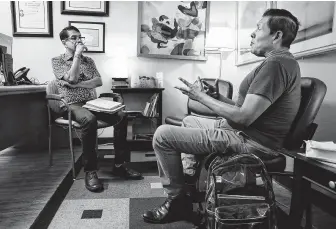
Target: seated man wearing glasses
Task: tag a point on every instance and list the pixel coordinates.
(77, 78)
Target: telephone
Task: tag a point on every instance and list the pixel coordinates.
(21, 76)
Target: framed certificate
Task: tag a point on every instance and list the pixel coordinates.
(90, 8)
(32, 19)
(93, 34)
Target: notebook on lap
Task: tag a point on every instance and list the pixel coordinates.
(104, 104)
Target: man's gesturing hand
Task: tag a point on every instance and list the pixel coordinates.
(212, 90)
(193, 91)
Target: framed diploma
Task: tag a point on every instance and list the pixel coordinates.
(90, 8)
(32, 19)
(93, 34)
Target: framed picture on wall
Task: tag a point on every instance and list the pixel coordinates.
(317, 32)
(247, 16)
(173, 30)
(93, 34)
(89, 8)
(32, 19)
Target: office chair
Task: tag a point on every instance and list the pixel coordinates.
(195, 108)
(303, 128)
(55, 111)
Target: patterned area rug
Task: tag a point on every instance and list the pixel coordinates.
(122, 203)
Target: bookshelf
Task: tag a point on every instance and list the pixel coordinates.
(135, 100)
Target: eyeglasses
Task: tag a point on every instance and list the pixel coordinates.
(76, 38)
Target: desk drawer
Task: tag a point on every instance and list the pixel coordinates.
(321, 176)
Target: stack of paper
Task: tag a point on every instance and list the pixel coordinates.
(104, 104)
(324, 151)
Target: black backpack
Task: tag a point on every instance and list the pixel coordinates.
(232, 201)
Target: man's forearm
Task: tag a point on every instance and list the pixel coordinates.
(226, 100)
(224, 108)
(93, 83)
(73, 73)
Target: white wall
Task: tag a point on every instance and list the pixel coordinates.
(121, 35)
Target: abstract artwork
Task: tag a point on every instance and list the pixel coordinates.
(175, 30)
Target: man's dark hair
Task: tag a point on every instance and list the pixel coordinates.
(284, 21)
(64, 33)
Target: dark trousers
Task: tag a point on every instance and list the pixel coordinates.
(88, 120)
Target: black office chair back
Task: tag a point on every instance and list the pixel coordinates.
(303, 128)
(225, 90)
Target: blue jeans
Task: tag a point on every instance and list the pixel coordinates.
(198, 137)
(88, 120)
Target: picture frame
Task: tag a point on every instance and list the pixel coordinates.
(32, 19)
(317, 32)
(247, 16)
(94, 33)
(172, 30)
(89, 8)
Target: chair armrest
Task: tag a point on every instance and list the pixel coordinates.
(54, 97)
(311, 131)
(116, 97)
(287, 174)
(58, 98)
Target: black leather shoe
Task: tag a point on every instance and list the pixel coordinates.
(126, 173)
(171, 210)
(92, 183)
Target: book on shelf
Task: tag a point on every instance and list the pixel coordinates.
(104, 104)
(152, 104)
(150, 107)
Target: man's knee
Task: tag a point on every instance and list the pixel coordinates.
(159, 135)
(188, 121)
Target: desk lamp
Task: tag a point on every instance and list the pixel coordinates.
(220, 40)
(120, 78)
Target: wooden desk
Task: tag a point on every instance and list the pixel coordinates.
(306, 172)
(23, 115)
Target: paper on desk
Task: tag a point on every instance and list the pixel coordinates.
(324, 151)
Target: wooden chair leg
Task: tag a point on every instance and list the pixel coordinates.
(72, 154)
(50, 126)
(97, 143)
(50, 152)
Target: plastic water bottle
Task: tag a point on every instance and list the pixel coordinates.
(159, 79)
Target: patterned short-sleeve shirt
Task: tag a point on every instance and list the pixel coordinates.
(61, 66)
